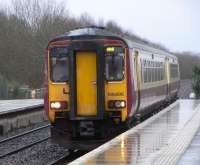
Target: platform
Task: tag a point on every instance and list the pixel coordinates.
(14, 105)
(16, 114)
(162, 139)
(192, 154)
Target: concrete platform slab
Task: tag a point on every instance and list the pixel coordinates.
(192, 154)
(20, 113)
(13, 105)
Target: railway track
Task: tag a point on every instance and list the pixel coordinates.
(7, 140)
(185, 89)
(24, 133)
(24, 147)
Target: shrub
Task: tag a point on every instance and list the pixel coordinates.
(196, 81)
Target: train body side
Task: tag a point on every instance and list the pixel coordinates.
(156, 80)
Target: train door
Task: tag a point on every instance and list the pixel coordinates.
(137, 79)
(167, 76)
(86, 78)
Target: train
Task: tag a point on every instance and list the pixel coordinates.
(98, 82)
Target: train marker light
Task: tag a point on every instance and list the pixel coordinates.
(123, 104)
(110, 49)
(116, 104)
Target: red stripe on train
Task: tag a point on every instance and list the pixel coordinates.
(129, 83)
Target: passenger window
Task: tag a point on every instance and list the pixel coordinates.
(174, 70)
(151, 71)
(59, 64)
(154, 79)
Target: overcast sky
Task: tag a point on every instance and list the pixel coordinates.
(173, 23)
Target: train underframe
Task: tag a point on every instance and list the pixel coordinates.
(84, 134)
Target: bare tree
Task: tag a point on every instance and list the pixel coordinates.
(26, 29)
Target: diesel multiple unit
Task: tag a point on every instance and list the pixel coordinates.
(98, 82)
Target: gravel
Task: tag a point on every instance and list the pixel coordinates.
(21, 130)
(39, 154)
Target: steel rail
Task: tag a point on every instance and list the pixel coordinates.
(24, 133)
(24, 147)
(57, 161)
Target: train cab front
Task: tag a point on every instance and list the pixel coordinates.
(87, 91)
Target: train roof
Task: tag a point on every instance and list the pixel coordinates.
(87, 31)
(103, 32)
(145, 47)
(91, 30)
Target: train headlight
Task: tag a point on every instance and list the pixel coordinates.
(52, 105)
(116, 104)
(58, 105)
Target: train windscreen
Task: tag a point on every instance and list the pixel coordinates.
(114, 63)
(59, 64)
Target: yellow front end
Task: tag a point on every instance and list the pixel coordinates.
(58, 84)
(116, 89)
(115, 84)
(56, 94)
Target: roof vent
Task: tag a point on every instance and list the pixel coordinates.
(90, 26)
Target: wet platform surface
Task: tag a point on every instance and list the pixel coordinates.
(147, 142)
(12, 105)
(192, 155)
